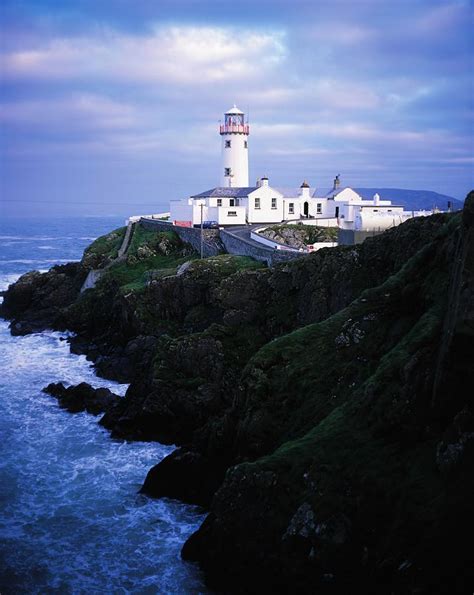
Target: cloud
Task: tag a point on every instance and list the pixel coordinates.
(345, 34)
(184, 55)
(370, 86)
(78, 110)
(440, 19)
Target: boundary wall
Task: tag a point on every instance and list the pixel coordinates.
(242, 247)
(212, 245)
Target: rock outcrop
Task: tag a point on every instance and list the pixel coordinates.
(83, 397)
(322, 407)
(299, 236)
(367, 475)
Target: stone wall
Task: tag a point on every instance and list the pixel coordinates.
(126, 240)
(242, 247)
(220, 241)
(191, 235)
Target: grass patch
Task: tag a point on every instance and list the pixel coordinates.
(105, 248)
(226, 264)
(133, 276)
(161, 252)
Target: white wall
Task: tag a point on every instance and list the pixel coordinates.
(236, 158)
(367, 221)
(225, 216)
(350, 213)
(318, 245)
(347, 195)
(181, 210)
(265, 214)
(212, 201)
(287, 216)
(320, 222)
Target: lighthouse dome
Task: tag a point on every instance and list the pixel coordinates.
(234, 111)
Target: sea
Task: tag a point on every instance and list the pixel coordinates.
(71, 518)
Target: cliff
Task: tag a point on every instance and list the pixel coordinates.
(323, 407)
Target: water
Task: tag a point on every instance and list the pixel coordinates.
(71, 520)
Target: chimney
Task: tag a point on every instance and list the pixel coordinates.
(305, 189)
(376, 198)
(264, 181)
(337, 182)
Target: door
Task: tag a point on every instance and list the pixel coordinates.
(306, 209)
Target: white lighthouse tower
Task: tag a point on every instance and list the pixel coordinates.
(235, 160)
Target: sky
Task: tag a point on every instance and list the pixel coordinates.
(111, 107)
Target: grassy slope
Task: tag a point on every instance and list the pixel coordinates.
(342, 408)
(165, 253)
(151, 255)
(104, 249)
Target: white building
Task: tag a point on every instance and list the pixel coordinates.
(234, 202)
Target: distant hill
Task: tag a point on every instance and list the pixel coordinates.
(413, 200)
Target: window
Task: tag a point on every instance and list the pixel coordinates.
(219, 202)
(231, 213)
(376, 211)
(291, 208)
(227, 144)
(257, 203)
(274, 203)
(245, 144)
(319, 208)
(232, 202)
(227, 171)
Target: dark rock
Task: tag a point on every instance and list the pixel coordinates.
(330, 389)
(185, 475)
(36, 301)
(344, 489)
(83, 397)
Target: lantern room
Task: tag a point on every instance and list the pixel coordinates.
(234, 122)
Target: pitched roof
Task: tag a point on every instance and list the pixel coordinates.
(234, 110)
(290, 192)
(226, 192)
(335, 192)
(321, 193)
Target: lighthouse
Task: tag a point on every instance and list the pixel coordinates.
(235, 160)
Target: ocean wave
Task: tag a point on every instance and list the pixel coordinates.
(82, 507)
(8, 279)
(41, 260)
(45, 238)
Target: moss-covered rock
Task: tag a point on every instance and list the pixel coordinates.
(103, 250)
(355, 486)
(300, 235)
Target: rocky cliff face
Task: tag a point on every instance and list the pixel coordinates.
(322, 406)
(366, 424)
